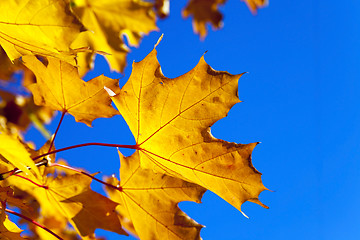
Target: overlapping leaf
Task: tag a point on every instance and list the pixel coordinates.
(149, 200)
(13, 151)
(7, 196)
(108, 21)
(171, 119)
(44, 27)
(7, 68)
(71, 197)
(59, 87)
(66, 197)
(8, 229)
(20, 111)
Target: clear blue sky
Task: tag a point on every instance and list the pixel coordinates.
(301, 99)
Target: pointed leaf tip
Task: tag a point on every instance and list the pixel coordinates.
(159, 40)
(244, 215)
(109, 91)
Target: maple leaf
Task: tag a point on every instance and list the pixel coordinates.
(170, 120)
(71, 197)
(150, 201)
(59, 87)
(108, 21)
(204, 11)
(38, 27)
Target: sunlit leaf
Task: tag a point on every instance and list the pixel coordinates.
(109, 21)
(44, 27)
(170, 120)
(13, 151)
(59, 87)
(150, 201)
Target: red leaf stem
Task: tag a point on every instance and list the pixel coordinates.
(87, 144)
(57, 129)
(42, 186)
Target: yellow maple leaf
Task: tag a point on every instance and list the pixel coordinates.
(108, 21)
(59, 87)
(44, 27)
(170, 120)
(150, 201)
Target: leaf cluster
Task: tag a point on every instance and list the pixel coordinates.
(52, 44)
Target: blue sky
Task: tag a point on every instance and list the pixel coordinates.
(300, 99)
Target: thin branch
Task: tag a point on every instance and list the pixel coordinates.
(4, 175)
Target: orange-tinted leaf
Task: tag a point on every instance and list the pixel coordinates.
(97, 212)
(59, 87)
(7, 196)
(204, 11)
(19, 111)
(162, 8)
(108, 21)
(171, 119)
(7, 68)
(150, 201)
(255, 4)
(44, 27)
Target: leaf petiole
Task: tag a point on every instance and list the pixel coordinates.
(57, 129)
(88, 144)
(42, 186)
